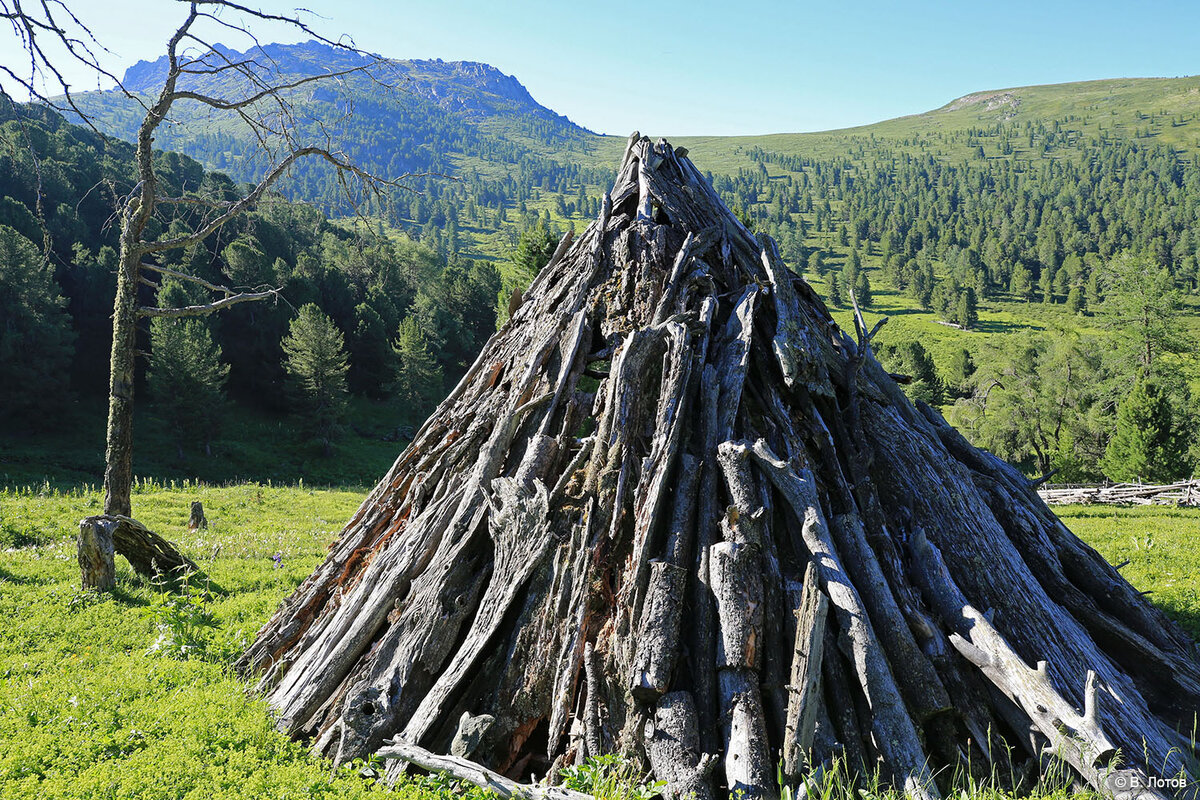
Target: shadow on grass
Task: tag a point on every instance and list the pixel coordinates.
(125, 597)
(128, 587)
(996, 326)
(6, 576)
(1186, 618)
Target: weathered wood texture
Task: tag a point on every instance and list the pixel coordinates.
(148, 553)
(474, 773)
(196, 519)
(1184, 493)
(673, 510)
(96, 554)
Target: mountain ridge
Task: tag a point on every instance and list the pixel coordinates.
(473, 87)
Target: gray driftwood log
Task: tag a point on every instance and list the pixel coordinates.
(673, 511)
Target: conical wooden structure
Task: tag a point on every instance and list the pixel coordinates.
(673, 511)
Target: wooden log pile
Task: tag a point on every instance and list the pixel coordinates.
(1183, 493)
(673, 511)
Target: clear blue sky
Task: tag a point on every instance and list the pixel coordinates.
(673, 68)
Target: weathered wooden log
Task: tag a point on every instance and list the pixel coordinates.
(749, 763)
(673, 747)
(95, 546)
(737, 584)
(1074, 737)
(804, 688)
(658, 633)
(471, 772)
(149, 554)
(895, 733)
(599, 539)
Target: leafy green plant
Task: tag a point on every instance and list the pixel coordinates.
(182, 619)
(445, 785)
(610, 777)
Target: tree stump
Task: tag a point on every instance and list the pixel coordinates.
(197, 520)
(96, 554)
(674, 511)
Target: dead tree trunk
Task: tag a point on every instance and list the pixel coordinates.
(148, 553)
(672, 510)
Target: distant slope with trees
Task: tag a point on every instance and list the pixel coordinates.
(993, 231)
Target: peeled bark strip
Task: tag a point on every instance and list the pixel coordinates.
(598, 542)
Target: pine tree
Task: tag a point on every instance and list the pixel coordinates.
(833, 289)
(1141, 307)
(862, 290)
(911, 359)
(370, 353)
(966, 308)
(1021, 284)
(1149, 442)
(315, 358)
(850, 271)
(816, 264)
(959, 370)
(533, 251)
(1075, 300)
(35, 332)
(186, 377)
(418, 377)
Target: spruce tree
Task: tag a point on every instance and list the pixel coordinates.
(833, 289)
(315, 358)
(186, 377)
(418, 376)
(1150, 441)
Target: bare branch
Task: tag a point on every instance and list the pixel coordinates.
(52, 21)
(229, 105)
(184, 276)
(237, 208)
(209, 308)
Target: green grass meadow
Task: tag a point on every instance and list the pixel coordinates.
(88, 711)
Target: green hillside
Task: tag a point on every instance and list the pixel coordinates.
(1162, 109)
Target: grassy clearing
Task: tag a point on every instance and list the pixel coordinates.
(1162, 545)
(87, 712)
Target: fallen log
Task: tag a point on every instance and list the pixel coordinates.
(469, 771)
(149, 554)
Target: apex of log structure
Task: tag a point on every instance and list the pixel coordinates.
(673, 511)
